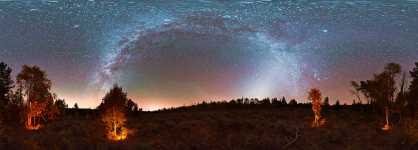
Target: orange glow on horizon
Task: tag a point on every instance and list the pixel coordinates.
(154, 104)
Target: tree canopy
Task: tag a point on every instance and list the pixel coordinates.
(413, 90)
(35, 85)
(6, 84)
(113, 108)
(315, 96)
(381, 89)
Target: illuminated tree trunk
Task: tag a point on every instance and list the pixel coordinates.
(386, 126)
(113, 115)
(34, 112)
(29, 123)
(316, 121)
(387, 116)
(317, 115)
(315, 97)
(114, 122)
(36, 87)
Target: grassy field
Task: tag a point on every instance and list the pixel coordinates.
(236, 128)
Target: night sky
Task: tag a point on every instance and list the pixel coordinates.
(172, 53)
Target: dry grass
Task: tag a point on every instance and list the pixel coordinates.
(217, 129)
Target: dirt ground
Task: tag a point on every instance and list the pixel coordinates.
(269, 128)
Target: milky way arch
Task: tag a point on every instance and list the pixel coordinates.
(254, 60)
(173, 52)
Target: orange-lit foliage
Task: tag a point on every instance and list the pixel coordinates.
(114, 120)
(113, 108)
(33, 115)
(315, 96)
(35, 86)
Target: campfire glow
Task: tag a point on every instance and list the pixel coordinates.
(33, 127)
(33, 114)
(115, 120)
(118, 135)
(315, 96)
(113, 109)
(386, 127)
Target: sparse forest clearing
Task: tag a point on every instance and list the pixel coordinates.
(217, 128)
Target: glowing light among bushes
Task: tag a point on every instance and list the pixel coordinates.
(315, 96)
(33, 127)
(33, 113)
(119, 135)
(115, 120)
(386, 127)
(114, 107)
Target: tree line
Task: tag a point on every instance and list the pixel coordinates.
(387, 93)
(29, 101)
(267, 102)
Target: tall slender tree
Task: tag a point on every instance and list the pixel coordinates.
(113, 109)
(315, 96)
(412, 103)
(356, 90)
(392, 69)
(389, 89)
(6, 84)
(35, 86)
(401, 98)
(381, 90)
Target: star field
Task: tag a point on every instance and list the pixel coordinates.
(173, 53)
